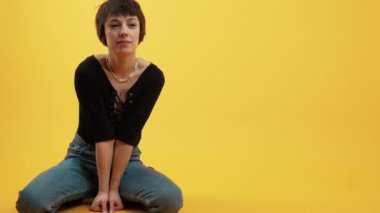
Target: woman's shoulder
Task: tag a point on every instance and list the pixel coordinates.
(88, 64)
(98, 57)
(88, 67)
(144, 63)
(151, 71)
(148, 65)
(88, 61)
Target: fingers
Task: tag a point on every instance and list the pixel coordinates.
(99, 206)
(95, 207)
(104, 206)
(115, 205)
(111, 207)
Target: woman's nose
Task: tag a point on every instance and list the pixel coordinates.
(124, 30)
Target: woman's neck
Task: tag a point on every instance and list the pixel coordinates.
(122, 65)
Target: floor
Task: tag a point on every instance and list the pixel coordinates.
(85, 206)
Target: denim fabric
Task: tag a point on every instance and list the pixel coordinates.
(75, 178)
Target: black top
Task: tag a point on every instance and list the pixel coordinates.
(102, 116)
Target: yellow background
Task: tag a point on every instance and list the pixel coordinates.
(269, 106)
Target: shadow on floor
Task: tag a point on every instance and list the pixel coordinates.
(84, 206)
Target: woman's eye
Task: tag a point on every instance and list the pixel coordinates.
(132, 25)
(114, 25)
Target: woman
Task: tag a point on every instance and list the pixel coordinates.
(116, 93)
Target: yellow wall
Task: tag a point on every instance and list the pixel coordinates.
(269, 106)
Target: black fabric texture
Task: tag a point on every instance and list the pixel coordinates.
(101, 116)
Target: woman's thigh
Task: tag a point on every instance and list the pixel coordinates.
(148, 186)
(70, 180)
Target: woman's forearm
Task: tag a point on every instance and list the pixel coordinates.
(104, 155)
(122, 154)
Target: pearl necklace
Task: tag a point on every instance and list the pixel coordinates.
(117, 78)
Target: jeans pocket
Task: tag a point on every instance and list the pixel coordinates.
(77, 147)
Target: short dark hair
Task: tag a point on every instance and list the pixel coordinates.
(118, 7)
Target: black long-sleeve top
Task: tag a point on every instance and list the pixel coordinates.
(102, 116)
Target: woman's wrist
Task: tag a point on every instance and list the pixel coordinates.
(104, 155)
(113, 191)
(122, 153)
(104, 187)
(103, 191)
(114, 188)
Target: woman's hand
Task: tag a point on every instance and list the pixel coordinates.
(100, 202)
(115, 201)
(104, 154)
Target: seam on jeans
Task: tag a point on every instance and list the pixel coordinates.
(65, 198)
(82, 145)
(77, 147)
(145, 202)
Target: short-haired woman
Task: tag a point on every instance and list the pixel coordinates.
(116, 92)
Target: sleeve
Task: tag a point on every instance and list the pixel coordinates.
(139, 108)
(93, 112)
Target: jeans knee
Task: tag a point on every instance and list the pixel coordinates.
(169, 201)
(29, 201)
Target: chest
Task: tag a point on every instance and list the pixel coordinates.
(122, 88)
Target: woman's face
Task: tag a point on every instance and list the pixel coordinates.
(122, 34)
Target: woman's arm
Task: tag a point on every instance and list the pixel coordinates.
(122, 154)
(104, 155)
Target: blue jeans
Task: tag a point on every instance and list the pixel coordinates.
(75, 178)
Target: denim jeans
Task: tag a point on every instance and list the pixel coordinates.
(75, 178)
